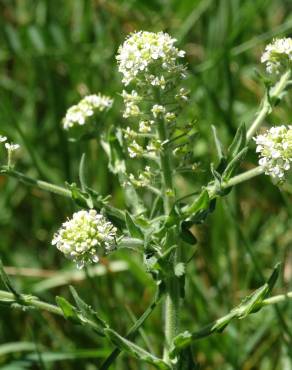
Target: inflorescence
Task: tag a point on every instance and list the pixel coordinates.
(278, 55)
(85, 237)
(275, 151)
(149, 58)
(152, 66)
(81, 113)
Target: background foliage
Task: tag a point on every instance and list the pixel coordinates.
(54, 52)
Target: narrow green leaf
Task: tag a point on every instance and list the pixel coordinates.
(234, 164)
(133, 350)
(7, 282)
(186, 235)
(201, 202)
(157, 207)
(218, 144)
(69, 311)
(87, 311)
(238, 142)
(82, 172)
(133, 229)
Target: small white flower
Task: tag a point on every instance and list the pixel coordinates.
(79, 114)
(131, 110)
(3, 139)
(145, 126)
(182, 95)
(275, 151)
(129, 133)
(170, 117)
(278, 55)
(135, 150)
(85, 237)
(154, 146)
(157, 110)
(12, 147)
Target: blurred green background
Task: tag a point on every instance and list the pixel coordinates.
(53, 52)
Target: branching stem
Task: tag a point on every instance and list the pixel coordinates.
(275, 94)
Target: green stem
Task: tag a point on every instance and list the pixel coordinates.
(212, 190)
(59, 190)
(243, 177)
(275, 94)
(172, 298)
(166, 170)
(131, 333)
(29, 301)
(225, 320)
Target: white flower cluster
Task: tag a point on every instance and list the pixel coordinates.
(152, 65)
(275, 151)
(78, 114)
(278, 55)
(149, 57)
(85, 237)
(12, 147)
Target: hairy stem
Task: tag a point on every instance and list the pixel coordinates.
(243, 177)
(172, 299)
(212, 190)
(29, 301)
(268, 101)
(225, 320)
(59, 190)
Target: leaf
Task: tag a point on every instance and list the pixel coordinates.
(216, 175)
(252, 303)
(113, 149)
(68, 310)
(173, 217)
(134, 350)
(88, 314)
(80, 197)
(217, 142)
(6, 281)
(180, 341)
(238, 142)
(186, 235)
(234, 164)
(133, 229)
(249, 304)
(156, 207)
(82, 172)
(201, 202)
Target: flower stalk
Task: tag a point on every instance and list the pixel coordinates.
(275, 94)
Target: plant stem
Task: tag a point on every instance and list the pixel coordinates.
(59, 190)
(29, 301)
(131, 333)
(275, 94)
(243, 177)
(212, 190)
(172, 298)
(225, 320)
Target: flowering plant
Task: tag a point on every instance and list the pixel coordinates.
(147, 156)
